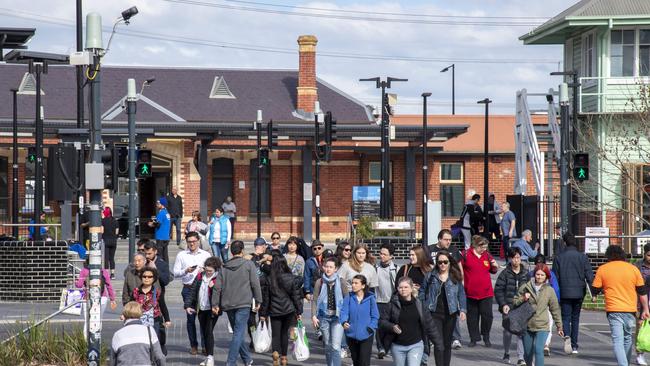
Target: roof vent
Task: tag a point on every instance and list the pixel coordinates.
(220, 89)
(28, 85)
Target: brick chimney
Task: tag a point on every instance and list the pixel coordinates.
(307, 91)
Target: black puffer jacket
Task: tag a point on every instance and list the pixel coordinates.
(508, 284)
(285, 300)
(389, 316)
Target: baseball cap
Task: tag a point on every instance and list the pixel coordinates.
(259, 241)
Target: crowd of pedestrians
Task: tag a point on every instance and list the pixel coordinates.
(411, 313)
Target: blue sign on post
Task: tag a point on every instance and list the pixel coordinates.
(365, 193)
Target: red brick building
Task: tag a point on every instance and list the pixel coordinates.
(203, 143)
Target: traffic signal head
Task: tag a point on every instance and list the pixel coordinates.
(264, 157)
(272, 135)
(109, 172)
(144, 164)
(31, 154)
(581, 166)
(330, 129)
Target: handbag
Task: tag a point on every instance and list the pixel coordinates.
(643, 338)
(301, 345)
(516, 321)
(262, 337)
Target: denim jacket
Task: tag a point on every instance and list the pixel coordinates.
(455, 293)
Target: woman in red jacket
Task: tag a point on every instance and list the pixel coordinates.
(477, 266)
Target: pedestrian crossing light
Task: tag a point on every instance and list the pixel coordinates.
(264, 157)
(581, 167)
(143, 169)
(31, 155)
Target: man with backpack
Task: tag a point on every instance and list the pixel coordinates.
(471, 219)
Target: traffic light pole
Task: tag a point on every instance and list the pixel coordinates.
(425, 172)
(131, 99)
(564, 158)
(384, 209)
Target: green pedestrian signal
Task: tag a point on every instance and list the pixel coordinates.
(581, 167)
(31, 155)
(144, 169)
(264, 157)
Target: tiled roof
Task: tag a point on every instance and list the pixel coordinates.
(183, 91)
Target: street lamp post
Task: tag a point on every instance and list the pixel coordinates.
(425, 172)
(131, 100)
(14, 199)
(453, 86)
(384, 204)
(487, 102)
(258, 126)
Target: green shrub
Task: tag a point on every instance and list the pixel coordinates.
(46, 344)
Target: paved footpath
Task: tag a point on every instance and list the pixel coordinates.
(595, 343)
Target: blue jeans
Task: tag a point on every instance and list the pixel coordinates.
(456, 335)
(219, 251)
(534, 346)
(622, 327)
(238, 319)
(571, 319)
(191, 320)
(176, 222)
(332, 335)
(407, 355)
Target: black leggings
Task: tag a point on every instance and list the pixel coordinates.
(207, 321)
(360, 351)
(442, 347)
(109, 259)
(280, 333)
(479, 311)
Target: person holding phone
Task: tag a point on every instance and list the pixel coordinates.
(189, 263)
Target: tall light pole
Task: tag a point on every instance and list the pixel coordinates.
(131, 100)
(14, 199)
(565, 198)
(453, 86)
(258, 126)
(425, 172)
(384, 203)
(486, 181)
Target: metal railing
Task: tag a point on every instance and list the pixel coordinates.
(26, 330)
(527, 146)
(613, 94)
(55, 226)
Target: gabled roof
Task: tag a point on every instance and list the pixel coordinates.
(589, 13)
(183, 91)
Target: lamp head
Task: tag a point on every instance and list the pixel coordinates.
(150, 80)
(128, 13)
(426, 95)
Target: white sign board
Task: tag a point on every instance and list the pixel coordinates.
(307, 192)
(242, 184)
(640, 242)
(594, 244)
(392, 225)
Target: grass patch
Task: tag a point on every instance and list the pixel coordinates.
(47, 345)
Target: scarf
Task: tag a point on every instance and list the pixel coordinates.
(322, 297)
(205, 292)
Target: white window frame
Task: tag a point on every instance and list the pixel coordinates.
(636, 63)
(452, 181)
(589, 69)
(378, 181)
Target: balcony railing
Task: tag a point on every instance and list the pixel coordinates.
(600, 95)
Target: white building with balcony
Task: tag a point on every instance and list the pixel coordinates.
(607, 42)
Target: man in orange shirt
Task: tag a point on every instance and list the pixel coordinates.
(622, 285)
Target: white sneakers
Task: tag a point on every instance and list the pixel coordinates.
(640, 360)
(209, 361)
(456, 344)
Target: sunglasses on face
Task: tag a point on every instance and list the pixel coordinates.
(443, 262)
(275, 238)
(318, 248)
(147, 276)
(347, 250)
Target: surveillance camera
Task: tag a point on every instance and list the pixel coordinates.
(128, 13)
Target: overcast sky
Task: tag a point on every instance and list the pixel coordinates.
(194, 33)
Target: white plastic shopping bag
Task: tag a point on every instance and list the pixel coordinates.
(301, 345)
(262, 337)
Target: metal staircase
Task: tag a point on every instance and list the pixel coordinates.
(539, 144)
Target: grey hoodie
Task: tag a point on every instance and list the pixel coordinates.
(240, 284)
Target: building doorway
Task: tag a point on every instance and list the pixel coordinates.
(222, 177)
(151, 189)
